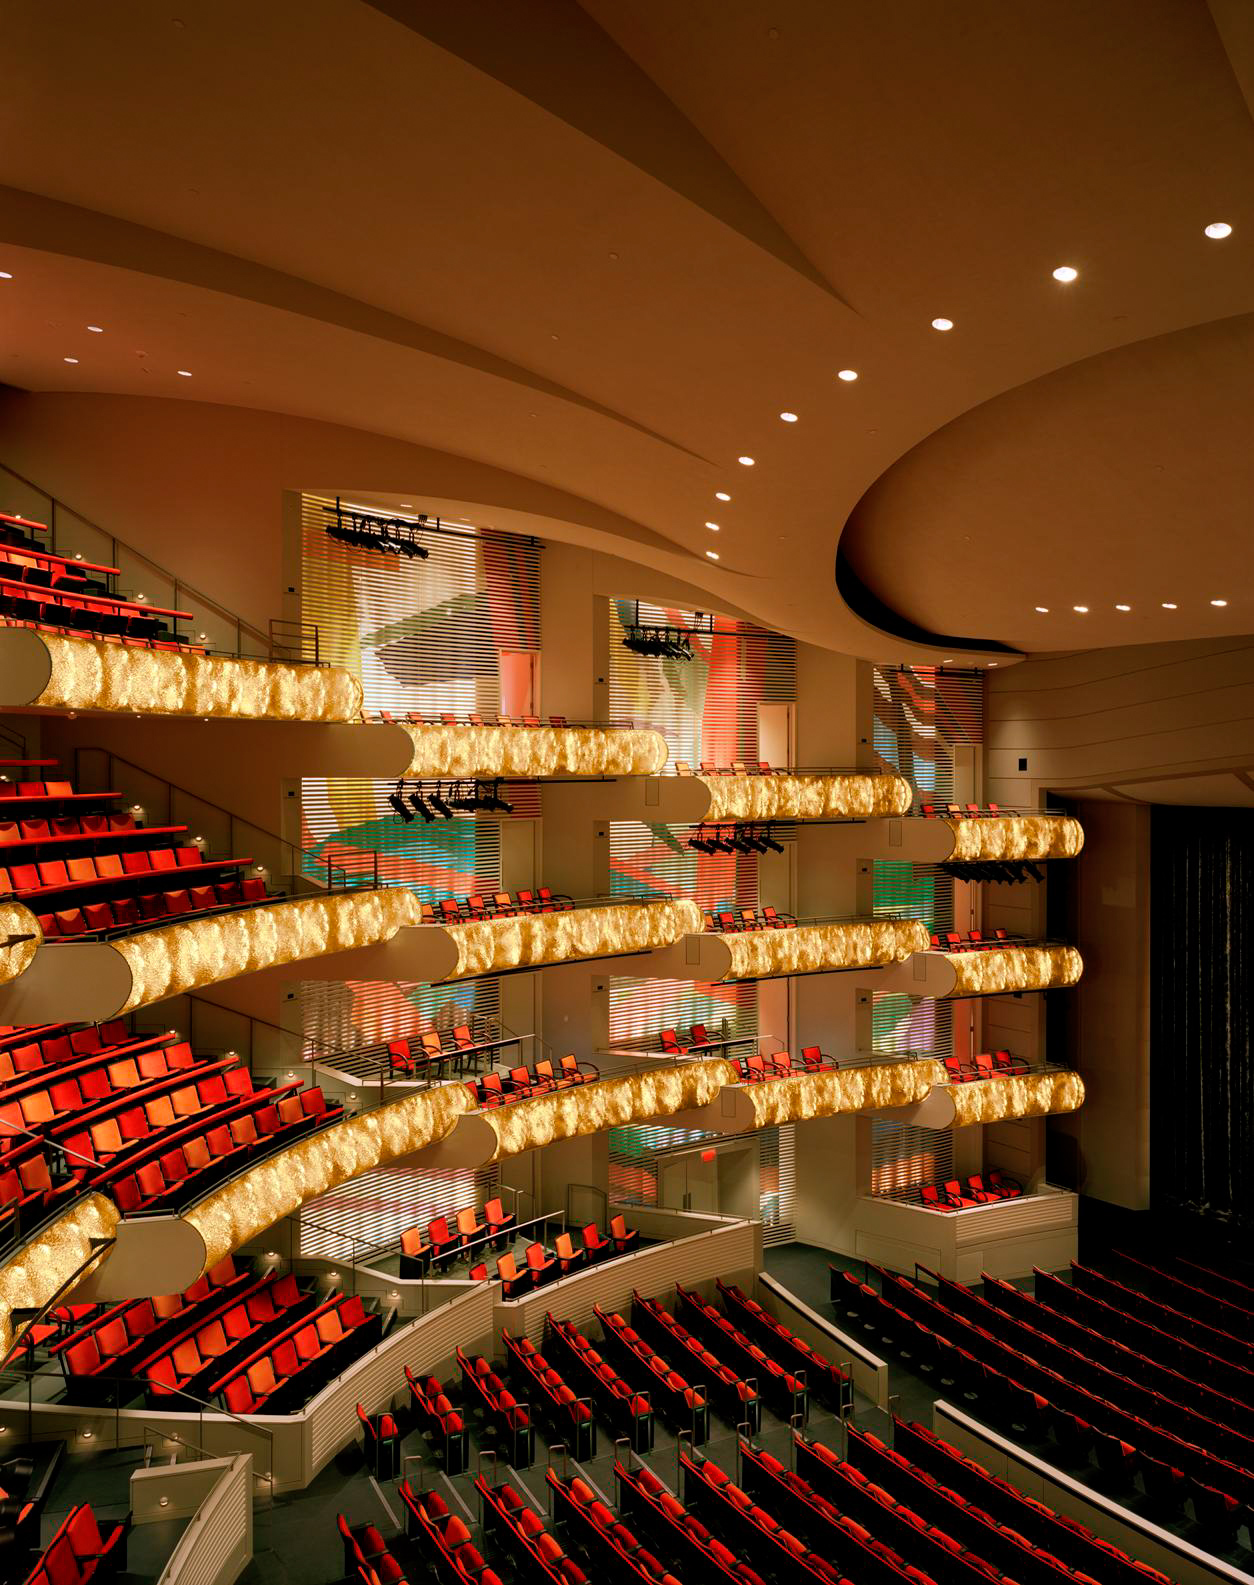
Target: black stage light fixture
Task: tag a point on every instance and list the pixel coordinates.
(421, 806)
(769, 839)
(397, 800)
(1033, 871)
(494, 800)
(439, 804)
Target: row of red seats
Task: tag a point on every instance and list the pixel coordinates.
(1223, 1284)
(26, 1048)
(643, 1498)
(368, 1558)
(520, 1084)
(602, 1534)
(699, 1042)
(509, 1419)
(1231, 1314)
(958, 1195)
(960, 811)
(732, 1396)
(680, 1405)
(973, 941)
(123, 913)
(421, 1055)
(568, 1416)
(63, 875)
(81, 1550)
(826, 1380)
(521, 1531)
(501, 905)
(983, 1065)
(540, 1266)
(1159, 1334)
(440, 1422)
(288, 1369)
(964, 1497)
(1137, 1386)
(443, 1539)
(444, 1243)
(179, 1171)
(93, 831)
(1019, 1389)
(1236, 1411)
(472, 718)
(712, 1497)
(738, 767)
(627, 1411)
(29, 597)
(759, 1065)
(122, 1334)
(783, 1391)
(732, 921)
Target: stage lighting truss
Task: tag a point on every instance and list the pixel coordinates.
(392, 536)
(755, 837)
(1000, 872)
(440, 800)
(670, 641)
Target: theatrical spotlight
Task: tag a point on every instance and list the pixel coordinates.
(422, 807)
(490, 798)
(770, 842)
(699, 840)
(397, 800)
(440, 804)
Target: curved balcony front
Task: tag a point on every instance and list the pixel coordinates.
(989, 971)
(450, 751)
(58, 672)
(818, 946)
(806, 795)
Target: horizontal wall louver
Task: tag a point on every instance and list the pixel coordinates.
(372, 1211)
(903, 1157)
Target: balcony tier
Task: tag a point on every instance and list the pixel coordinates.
(534, 751)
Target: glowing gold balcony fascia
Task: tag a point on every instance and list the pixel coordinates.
(87, 674)
(831, 1093)
(1027, 1095)
(38, 1271)
(17, 957)
(491, 946)
(535, 751)
(817, 949)
(991, 839)
(848, 796)
(281, 1184)
(195, 952)
(607, 1103)
(1006, 969)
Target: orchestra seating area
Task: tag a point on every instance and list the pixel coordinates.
(56, 594)
(774, 1502)
(731, 921)
(85, 866)
(1137, 1379)
(142, 1119)
(959, 1194)
(465, 1238)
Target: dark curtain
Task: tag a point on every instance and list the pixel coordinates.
(1201, 1066)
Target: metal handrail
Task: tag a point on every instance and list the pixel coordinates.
(899, 914)
(169, 1436)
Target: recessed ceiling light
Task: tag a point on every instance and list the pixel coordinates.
(993, 663)
(96, 330)
(721, 495)
(1123, 608)
(948, 661)
(1169, 605)
(1219, 602)
(745, 462)
(1218, 230)
(405, 504)
(1065, 273)
(1043, 609)
(70, 360)
(942, 324)
(6, 275)
(789, 418)
(712, 554)
(847, 374)
(186, 373)
(1082, 609)
(713, 526)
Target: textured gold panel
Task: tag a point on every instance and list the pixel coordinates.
(276, 1187)
(840, 1090)
(812, 949)
(782, 797)
(18, 921)
(488, 946)
(607, 1103)
(180, 957)
(535, 751)
(1014, 969)
(1015, 837)
(38, 1271)
(1030, 1095)
(90, 675)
